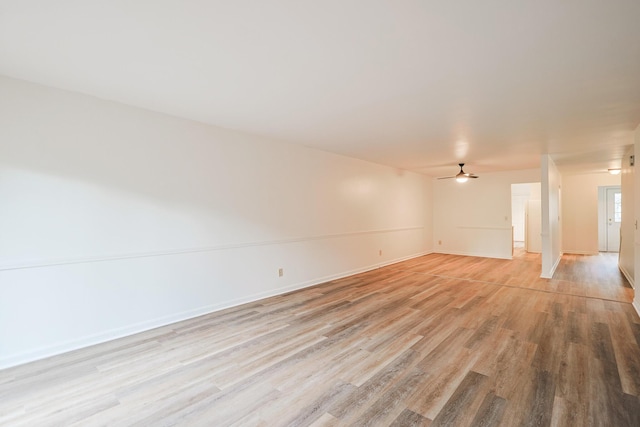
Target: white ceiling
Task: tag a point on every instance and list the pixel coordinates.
(419, 85)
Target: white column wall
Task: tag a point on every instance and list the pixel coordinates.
(551, 216)
(636, 203)
(627, 227)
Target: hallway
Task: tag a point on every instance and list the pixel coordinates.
(595, 276)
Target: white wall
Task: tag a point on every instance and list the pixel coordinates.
(474, 218)
(627, 227)
(551, 214)
(636, 212)
(116, 219)
(580, 210)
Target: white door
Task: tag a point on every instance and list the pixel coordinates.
(518, 211)
(614, 217)
(533, 223)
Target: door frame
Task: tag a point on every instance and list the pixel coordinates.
(602, 215)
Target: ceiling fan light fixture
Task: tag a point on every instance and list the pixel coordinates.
(460, 176)
(614, 171)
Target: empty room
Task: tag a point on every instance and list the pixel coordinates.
(355, 213)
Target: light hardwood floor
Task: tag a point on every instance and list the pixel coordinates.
(438, 340)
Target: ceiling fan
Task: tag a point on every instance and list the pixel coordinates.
(461, 176)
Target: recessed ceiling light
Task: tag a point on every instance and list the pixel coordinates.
(614, 171)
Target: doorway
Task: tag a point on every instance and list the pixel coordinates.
(609, 218)
(526, 217)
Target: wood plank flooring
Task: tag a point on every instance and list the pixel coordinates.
(439, 340)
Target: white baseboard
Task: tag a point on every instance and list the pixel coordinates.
(627, 275)
(473, 254)
(113, 334)
(549, 275)
(580, 252)
(109, 335)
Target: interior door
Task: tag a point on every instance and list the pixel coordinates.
(614, 217)
(533, 236)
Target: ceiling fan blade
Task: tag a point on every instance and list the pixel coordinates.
(473, 176)
(447, 177)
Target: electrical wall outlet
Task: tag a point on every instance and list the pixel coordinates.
(280, 272)
(380, 252)
(439, 242)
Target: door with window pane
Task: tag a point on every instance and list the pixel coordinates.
(614, 217)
